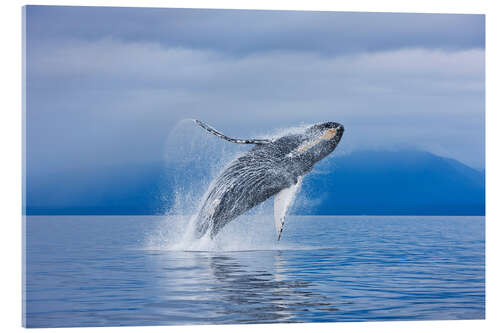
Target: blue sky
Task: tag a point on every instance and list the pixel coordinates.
(106, 85)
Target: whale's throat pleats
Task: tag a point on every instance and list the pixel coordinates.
(282, 203)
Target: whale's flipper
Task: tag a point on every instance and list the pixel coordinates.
(282, 202)
(220, 135)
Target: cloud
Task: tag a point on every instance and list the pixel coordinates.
(108, 91)
(245, 31)
(150, 64)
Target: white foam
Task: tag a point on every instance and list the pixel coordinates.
(246, 233)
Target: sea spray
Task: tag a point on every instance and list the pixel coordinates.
(194, 161)
(247, 233)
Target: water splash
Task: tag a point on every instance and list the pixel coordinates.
(246, 233)
(188, 150)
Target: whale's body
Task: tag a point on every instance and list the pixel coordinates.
(271, 167)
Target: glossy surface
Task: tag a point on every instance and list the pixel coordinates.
(121, 270)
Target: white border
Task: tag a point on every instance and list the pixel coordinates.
(11, 151)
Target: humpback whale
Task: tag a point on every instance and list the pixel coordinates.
(273, 167)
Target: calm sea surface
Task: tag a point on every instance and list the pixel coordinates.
(135, 270)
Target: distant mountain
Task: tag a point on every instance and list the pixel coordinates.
(132, 189)
(360, 183)
(393, 183)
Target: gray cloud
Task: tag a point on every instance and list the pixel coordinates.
(242, 31)
(109, 101)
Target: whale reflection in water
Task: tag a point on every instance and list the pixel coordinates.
(263, 294)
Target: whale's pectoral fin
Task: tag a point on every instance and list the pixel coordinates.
(282, 202)
(220, 135)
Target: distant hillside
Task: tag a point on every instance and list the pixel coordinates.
(364, 182)
(393, 183)
(114, 190)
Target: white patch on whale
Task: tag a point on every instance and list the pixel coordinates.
(282, 202)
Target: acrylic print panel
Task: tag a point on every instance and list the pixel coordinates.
(196, 166)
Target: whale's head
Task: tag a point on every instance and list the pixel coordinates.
(319, 140)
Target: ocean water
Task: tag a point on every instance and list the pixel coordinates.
(142, 270)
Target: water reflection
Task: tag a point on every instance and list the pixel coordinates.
(243, 287)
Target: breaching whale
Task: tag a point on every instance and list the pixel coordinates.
(271, 167)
